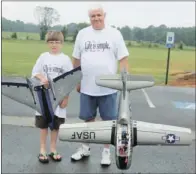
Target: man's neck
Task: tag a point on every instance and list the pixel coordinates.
(98, 29)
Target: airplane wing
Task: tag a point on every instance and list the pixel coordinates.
(64, 84)
(99, 132)
(18, 89)
(23, 90)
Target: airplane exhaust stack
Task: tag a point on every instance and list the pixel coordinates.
(159, 134)
(92, 132)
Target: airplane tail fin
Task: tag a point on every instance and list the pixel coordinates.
(160, 134)
(133, 82)
(99, 132)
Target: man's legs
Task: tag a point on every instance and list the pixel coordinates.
(108, 111)
(88, 111)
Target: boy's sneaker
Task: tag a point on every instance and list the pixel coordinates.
(83, 151)
(106, 161)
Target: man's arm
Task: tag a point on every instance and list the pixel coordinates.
(122, 52)
(76, 62)
(68, 66)
(124, 63)
(76, 55)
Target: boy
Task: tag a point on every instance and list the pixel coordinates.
(54, 63)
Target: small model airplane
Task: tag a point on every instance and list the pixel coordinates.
(125, 133)
(30, 92)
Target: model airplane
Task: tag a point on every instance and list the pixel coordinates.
(125, 133)
(30, 92)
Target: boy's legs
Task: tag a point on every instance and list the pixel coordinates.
(54, 134)
(108, 111)
(88, 111)
(41, 123)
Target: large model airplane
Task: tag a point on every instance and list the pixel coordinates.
(30, 92)
(125, 133)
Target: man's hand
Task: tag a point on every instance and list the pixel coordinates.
(64, 102)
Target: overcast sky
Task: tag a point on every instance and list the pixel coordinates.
(140, 14)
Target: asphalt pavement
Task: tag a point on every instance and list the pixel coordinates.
(164, 105)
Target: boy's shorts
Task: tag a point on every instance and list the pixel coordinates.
(107, 105)
(41, 123)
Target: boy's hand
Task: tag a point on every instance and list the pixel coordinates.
(64, 102)
(43, 80)
(78, 88)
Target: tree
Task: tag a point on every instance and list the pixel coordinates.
(75, 35)
(65, 32)
(14, 35)
(151, 33)
(46, 16)
(82, 25)
(126, 32)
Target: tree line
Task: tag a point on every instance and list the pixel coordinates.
(47, 16)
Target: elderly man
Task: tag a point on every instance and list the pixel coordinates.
(98, 48)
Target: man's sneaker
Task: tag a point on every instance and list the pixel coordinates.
(83, 151)
(106, 161)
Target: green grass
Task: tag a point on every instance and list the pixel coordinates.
(19, 56)
(22, 35)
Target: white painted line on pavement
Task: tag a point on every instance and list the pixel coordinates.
(151, 105)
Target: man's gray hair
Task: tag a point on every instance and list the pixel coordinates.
(95, 7)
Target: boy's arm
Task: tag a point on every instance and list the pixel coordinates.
(37, 72)
(64, 102)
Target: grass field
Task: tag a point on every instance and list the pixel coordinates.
(19, 56)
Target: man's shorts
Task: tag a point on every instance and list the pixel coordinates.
(41, 123)
(107, 105)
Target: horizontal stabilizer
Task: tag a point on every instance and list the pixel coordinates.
(92, 132)
(159, 134)
(133, 81)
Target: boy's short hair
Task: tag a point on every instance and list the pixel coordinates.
(54, 36)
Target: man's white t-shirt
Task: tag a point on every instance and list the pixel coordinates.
(54, 65)
(99, 52)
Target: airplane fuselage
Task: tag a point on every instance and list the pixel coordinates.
(123, 144)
